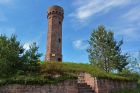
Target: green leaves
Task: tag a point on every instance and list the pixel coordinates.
(10, 50)
(105, 52)
(14, 58)
(31, 58)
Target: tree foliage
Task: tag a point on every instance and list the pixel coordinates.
(10, 51)
(31, 58)
(105, 52)
(14, 58)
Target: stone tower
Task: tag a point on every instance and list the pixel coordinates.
(54, 39)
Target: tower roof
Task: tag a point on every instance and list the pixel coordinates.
(55, 8)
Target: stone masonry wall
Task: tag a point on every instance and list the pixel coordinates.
(65, 87)
(71, 86)
(106, 85)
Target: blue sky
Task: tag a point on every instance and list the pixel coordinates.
(27, 19)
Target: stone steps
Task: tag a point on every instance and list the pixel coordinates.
(84, 88)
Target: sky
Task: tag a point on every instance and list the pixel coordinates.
(27, 19)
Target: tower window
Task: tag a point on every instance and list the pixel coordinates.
(59, 22)
(59, 59)
(59, 40)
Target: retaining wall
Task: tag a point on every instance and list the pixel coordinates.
(106, 85)
(71, 86)
(64, 87)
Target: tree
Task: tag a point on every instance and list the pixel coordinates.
(14, 59)
(31, 58)
(10, 51)
(105, 52)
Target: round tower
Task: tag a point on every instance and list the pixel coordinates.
(54, 37)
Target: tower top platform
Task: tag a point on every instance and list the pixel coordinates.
(55, 8)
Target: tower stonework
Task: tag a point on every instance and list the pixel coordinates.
(54, 37)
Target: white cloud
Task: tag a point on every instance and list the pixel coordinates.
(26, 46)
(129, 33)
(132, 15)
(80, 44)
(89, 8)
(130, 22)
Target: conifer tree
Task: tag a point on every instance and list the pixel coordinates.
(10, 55)
(105, 52)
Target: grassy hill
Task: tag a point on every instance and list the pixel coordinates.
(53, 72)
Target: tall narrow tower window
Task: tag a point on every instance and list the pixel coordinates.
(59, 22)
(59, 40)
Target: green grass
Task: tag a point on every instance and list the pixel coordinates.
(46, 74)
(79, 67)
(31, 80)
